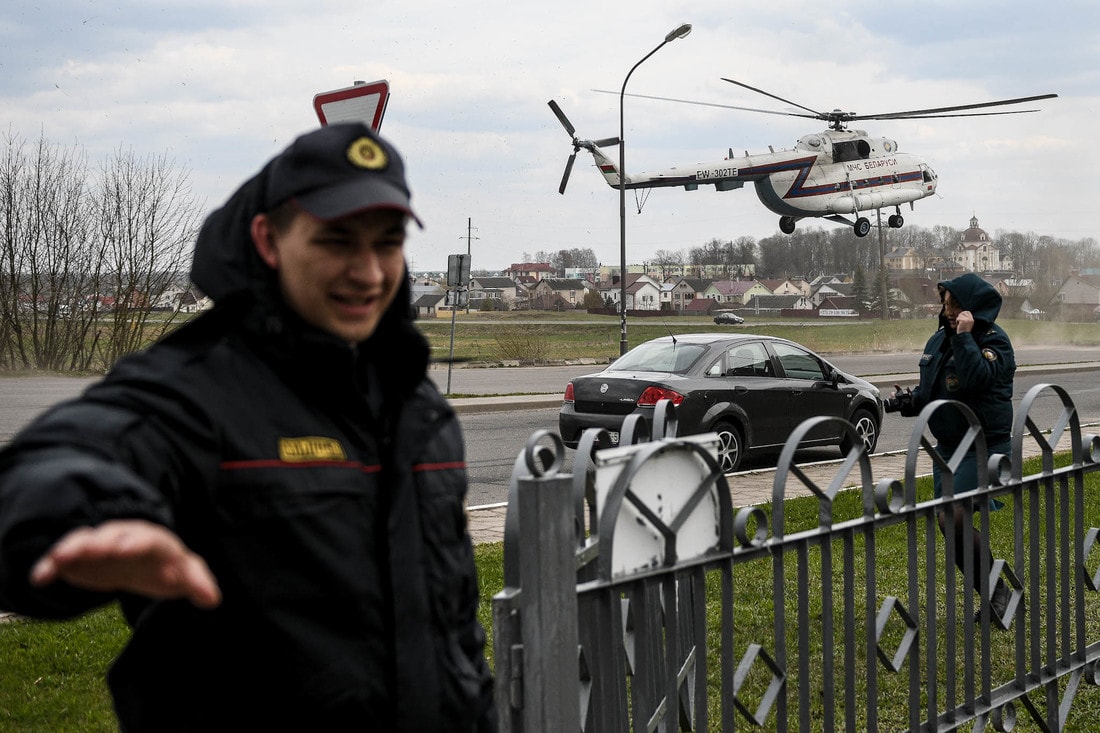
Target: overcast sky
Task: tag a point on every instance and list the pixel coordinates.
(222, 85)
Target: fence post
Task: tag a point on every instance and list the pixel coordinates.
(548, 604)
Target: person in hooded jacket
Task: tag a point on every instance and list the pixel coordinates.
(969, 359)
(274, 492)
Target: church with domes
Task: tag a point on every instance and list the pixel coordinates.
(977, 252)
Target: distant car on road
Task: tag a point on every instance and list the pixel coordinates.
(752, 390)
(728, 317)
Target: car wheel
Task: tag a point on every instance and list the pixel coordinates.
(866, 429)
(730, 446)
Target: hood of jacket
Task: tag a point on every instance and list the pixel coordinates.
(228, 269)
(974, 294)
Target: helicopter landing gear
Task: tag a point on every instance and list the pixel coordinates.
(786, 224)
(862, 226)
(896, 220)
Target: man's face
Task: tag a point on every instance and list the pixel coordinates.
(339, 276)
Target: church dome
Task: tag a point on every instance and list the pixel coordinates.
(975, 234)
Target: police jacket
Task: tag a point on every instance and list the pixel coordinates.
(322, 482)
(975, 368)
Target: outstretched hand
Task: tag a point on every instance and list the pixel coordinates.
(130, 555)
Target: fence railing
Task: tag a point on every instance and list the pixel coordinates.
(638, 598)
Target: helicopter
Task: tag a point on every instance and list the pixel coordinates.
(834, 174)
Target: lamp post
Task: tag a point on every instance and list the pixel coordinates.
(679, 32)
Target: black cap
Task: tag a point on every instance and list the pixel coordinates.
(338, 170)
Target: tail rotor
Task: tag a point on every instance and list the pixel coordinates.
(577, 144)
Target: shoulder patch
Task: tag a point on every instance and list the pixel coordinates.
(989, 354)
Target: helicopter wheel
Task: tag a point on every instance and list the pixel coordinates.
(863, 226)
(786, 224)
(895, 221)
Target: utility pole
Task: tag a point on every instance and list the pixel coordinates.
(469, 236)
(882, 270)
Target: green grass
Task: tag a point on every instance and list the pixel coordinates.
(53, 673)
(485, 337)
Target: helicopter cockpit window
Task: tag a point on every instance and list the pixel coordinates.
(846, 150)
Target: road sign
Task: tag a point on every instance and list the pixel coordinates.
(458, 271)
(362, 102)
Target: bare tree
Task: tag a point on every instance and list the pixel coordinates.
(85, 260)
(147, 221)
(45, 231)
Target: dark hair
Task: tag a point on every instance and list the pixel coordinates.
(283, 214)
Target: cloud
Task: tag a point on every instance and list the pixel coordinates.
(221, 86)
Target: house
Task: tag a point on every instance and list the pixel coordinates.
(685, 290)
(780, 286)
(503, 288)
(427, 305)
(1076, 299)
(530, 271)
(192, 300)
(700, 306)
(558, 294)
(918, 292)
(838, 306)
(834, 289)
(776, 303)
(735, 292)
(642, 292)
(903, 259)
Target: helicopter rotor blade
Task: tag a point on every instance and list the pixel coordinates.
(713, 104)
(568, 170)
(607, 142)
(963, 114)
(563, 119)
(955, 108)
(769, 94)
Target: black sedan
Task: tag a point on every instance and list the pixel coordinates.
(727, 317)
(752, 390)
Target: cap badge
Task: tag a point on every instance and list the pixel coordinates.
(366, 153)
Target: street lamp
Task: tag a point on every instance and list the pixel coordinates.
(679, 32)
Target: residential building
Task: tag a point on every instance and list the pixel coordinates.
(685, 290)
(1077, 298)
(558, 294)
(530, 271)
(734, 292)
(503, 288)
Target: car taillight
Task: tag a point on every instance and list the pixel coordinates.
(569, 392)
(652, 395)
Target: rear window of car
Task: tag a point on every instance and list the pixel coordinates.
(664, 356)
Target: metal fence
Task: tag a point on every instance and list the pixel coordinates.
(636, 597)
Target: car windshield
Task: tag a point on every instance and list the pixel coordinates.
(659, 356)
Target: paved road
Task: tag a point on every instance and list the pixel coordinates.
(552, 379)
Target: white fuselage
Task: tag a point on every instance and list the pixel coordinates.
(829, 173)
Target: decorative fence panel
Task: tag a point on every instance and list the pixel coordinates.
(638, 598)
